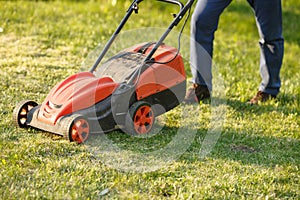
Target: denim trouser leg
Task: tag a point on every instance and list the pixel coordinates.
(204, 23)
(269, 23)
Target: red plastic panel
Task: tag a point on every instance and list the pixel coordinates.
(75, 93)
(160, 77)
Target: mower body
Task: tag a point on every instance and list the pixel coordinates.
(104, 97)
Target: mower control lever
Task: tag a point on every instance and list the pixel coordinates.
(173, 2)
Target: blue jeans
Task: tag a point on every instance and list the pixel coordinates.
(204, 23)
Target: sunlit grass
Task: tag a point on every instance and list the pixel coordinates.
(256, 156)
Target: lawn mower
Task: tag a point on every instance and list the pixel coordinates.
(128, 91)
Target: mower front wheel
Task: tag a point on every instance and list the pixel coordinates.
(21, 111)
(139, 119)
(76, 128)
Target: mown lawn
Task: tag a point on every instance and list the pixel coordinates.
(257, 150)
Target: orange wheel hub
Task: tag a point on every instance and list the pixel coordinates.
(80, 130)
(143, 119)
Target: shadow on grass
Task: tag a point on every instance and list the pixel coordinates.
(246, 148)
(252, 146)
(257, 150)
(284, 103)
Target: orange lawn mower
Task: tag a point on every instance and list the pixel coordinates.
(123, 92)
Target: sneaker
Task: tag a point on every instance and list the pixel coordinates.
(196, 93)
(261, 97)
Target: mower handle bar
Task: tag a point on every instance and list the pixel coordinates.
(134, 8)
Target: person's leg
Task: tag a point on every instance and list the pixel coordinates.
(269, 22)
(204, 23)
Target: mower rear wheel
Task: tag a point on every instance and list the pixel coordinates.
(76, 128)
(139, 119)
(21, 111)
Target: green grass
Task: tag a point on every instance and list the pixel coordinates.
(257, 155)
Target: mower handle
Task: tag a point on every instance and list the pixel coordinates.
(134, 8)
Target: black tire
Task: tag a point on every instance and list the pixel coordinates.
(76, 128)
(21, 111)
(140, 119)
